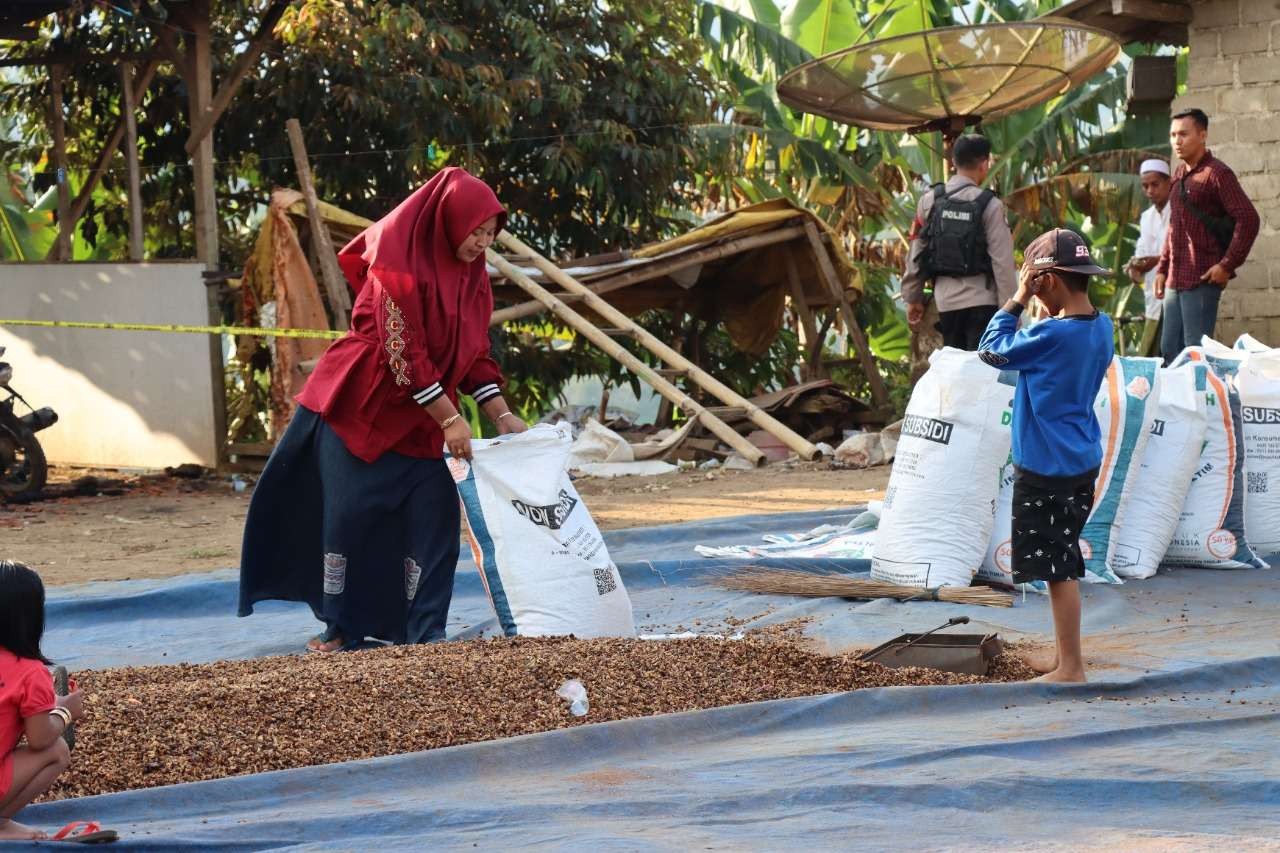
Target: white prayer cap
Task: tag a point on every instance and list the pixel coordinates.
(1154, 166)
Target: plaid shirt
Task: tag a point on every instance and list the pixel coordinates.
(1189, 248)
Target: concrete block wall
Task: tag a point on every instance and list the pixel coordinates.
(1234, 76)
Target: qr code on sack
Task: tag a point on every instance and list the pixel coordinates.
(1257, 482)
(605, 583)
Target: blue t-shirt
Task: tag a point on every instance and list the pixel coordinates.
(1061, 363)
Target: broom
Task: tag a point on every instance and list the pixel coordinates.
(791, 582)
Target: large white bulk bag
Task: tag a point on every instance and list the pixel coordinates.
(541, 557)
(1210, 531)
(1259, 384)
(1163, 479)
(938, 508)
(1125, 408)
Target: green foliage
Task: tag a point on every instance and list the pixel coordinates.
(578, 113)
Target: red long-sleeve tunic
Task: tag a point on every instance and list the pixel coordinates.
(419, 326)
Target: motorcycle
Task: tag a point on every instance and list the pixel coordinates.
(23, 469)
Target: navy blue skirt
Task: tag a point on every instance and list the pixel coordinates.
(372, 548)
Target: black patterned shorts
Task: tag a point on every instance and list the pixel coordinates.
(1048, 516)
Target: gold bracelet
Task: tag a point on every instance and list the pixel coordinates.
(450, 421)
(505, 415)
(64, 715)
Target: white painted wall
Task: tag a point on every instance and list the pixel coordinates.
(124, 399)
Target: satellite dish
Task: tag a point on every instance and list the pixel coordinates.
(947, 78)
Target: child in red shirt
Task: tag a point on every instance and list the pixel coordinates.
(28, 705)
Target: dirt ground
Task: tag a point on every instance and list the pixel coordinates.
(159, 527)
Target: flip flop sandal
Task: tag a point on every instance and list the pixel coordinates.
(86, 832)
(62, 687)
(328, 635)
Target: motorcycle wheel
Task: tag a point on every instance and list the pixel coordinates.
(23, 470)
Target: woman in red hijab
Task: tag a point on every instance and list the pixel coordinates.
(356, 513)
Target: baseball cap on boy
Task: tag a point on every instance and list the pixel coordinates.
(1062, 249)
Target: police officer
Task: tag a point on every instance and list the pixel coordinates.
(961, 242)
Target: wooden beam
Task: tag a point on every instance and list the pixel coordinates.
(695, 374)
(619, 353)
(812, 344)
(57, 121)
(879, 392)
(1152, 11)
(658, 269)
(108, 151)
(335, 283)
(128, 108)
(67, 57)
(243, 65)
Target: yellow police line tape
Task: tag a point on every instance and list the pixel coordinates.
(323, 334)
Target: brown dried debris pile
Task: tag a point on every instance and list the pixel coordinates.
(162, 725)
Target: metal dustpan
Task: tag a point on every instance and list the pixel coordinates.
(970, 654)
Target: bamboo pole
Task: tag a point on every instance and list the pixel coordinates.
(878, 390)
(704, 380)
(128, 108)
(66, 223)
(334, 281)
(717, 427)
(658, 269)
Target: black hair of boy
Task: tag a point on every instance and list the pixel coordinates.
(1197, 115)
(970, 150)
(21, 611)
(1077, 281)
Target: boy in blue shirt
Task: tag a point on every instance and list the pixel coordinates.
(1061, 362)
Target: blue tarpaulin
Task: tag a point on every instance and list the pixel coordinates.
(1177, 740)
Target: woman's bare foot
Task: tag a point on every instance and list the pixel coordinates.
(1043, 662)
(1062, 676)
(11, 830)
(323, 643)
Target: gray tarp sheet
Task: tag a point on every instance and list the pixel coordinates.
(1177, 741)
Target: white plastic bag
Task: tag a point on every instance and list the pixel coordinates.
(541, 557)
(1126, 409)
(1248, 343)
(1259, 385)
(938, 508)
(1211, 533)
(1163, 478)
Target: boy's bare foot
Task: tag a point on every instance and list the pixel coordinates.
(11, 830)
(1043, 662)
(1062, 676)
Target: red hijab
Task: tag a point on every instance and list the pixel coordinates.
(421, 236)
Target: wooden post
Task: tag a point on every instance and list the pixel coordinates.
(243, 65)
(128, 108)
(576, 321)
(200, 95)
(697, 375)
(335, 283)
(198, 72)
(879, 392)
(812, 343)
(57, 122)
(108, 151)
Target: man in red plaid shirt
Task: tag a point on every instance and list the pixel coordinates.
(1212, 226)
